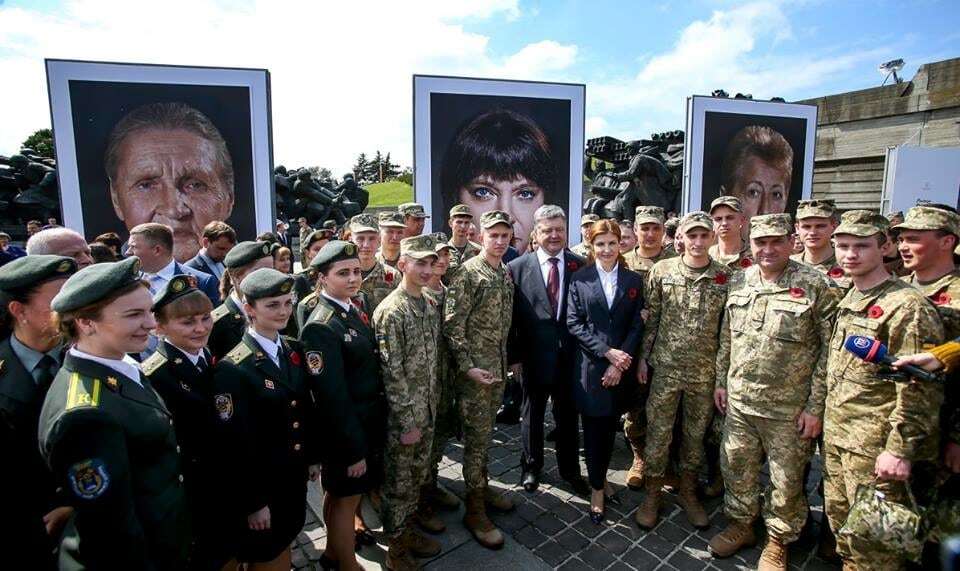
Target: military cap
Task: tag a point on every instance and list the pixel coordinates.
(770, 225)
(177, 287)
(246, 253)
(28, 272)
(861, 223)
(461, 210)
(491, 218)
(442, 241)
(930, 218)
(696, 219)
(672, 223)
(330, 225)
(731, 202)
(819, 208)
(334, 251)
(412, 209)
(364, 223)
(266, 282)
(391, 220)
(419, 247)
(93, 283)
(319, 234)
(897, 214)
(647, 214)
(589, 219)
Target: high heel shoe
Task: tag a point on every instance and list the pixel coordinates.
(596, 517)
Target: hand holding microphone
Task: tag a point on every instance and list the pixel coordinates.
(873, 351)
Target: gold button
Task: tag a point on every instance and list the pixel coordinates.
(293, 403)
(296, 424)
(296, 447)
(171, 422)
(180, 477)
(178, 449)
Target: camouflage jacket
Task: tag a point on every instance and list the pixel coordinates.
(642, 265)
(774, 341)
(408, 331)
(682, 333)
(386, 262)
(829, 268)
(378, 283)
(865, 412)
(739, 261)
(459, 256)
(582, 249)
(477, 315)
(444, 360)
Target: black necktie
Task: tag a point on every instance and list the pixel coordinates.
(47, 367)
(201, 364)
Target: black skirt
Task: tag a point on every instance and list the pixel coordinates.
(333, 477)
(288, 506)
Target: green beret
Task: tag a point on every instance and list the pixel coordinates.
(589, 219)
(731, 202)
(412, 209)
(93, 283)
(697, 219)
(770, 225)
(364, 223)
(265, 282)
(28, 272)
(177, 287)
(491, 218)
(246, 253)
(419, 247)
(391, 220)
(928, 218)
(648, 214)
(861, 223)
(461, 210)
(334, 251)
(321, 234)
(818, 208)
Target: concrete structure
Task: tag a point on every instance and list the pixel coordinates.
(854, 130)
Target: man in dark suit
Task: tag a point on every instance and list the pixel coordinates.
(541, 348)
(216, 240)
(153, 244)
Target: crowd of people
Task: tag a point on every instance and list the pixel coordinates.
(159, 415)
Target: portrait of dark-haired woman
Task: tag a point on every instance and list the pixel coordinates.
(500, 160)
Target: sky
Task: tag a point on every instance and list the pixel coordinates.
(341, 70)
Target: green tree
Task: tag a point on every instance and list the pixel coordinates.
(40, 141)
(390, 170)
(361, 167)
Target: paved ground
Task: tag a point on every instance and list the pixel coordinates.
(551, 529)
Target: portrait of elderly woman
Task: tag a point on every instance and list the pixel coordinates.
(168, 163)
(758, 169)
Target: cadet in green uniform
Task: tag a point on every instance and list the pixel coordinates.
(731, 249)
(30, 355)
(461, 217)
(392, 228)
(180, 371)
(106, 435)
(229, 321)
(583, 248)
(875, 431)
(344, 373)
(306, 279)
(263, 404)
(407, 325)
(379, 279)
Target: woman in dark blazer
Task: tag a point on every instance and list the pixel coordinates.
(603, 314)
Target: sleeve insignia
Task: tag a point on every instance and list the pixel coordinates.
(269, 384)
(315, 362)
(88, 479)
(224, 404)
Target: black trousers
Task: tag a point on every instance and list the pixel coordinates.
(533, 410)
(598, 437)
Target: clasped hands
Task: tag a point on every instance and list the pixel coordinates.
(619, 362)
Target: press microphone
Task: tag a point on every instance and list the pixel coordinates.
(873, 351)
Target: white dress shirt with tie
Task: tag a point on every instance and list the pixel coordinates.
(544, 258)
(270, 347)
(608, 281)
(128, 366)
(160, 279)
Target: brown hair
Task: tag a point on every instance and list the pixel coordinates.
(67, 322)
(193, 303)
(757, 141)
(217, 229)
(111, 239)
(155, 233)
(604, 226)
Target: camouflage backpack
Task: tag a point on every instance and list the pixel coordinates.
(884, 524)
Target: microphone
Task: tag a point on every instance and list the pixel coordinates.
(873, 351)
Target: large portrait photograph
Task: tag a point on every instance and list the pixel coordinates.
(182, 146)
(759, 151)
(498, 145)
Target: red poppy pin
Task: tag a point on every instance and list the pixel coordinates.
(874, 311)
(745, 263)
(388, 277)
(295, 358)
(720, 279)
(835, 273)
(572, 266)
(364, 318)
(942, 298)
(797, 292)
(632, 293)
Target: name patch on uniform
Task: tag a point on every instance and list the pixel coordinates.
(268, 383)
(315, 362)
(88, 479)
(224, 405)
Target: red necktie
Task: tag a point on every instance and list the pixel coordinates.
(553, 286)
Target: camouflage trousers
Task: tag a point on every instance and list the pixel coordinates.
(404, 473)
(635, 421)
(746, 439)
(662, 406)
(478, 413)
(447, 425)
(844, 471)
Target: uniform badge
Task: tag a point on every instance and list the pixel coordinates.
(224, 405)
(942, 298)
(874, 311)
(237, 316)
(315, 362)
(63, 267)
(185, 386)
(177, 361)
(112, 382)
(88, 479)
(343, 315)
(797, 292)
(347, 338)
(353, 332)
(178, 285)
(268, 383)
(382, 343)
(295, 358)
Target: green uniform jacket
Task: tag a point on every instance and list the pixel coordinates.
(459, 256)
(378, 283)
(111, 444)
(229, 323)
(739, 261)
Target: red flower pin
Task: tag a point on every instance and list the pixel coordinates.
(364, 318)
(572, 266)
(835, 273)
(632, 293)
(797, 292)
(295, 358)
(874, 311)
(720, 279)
(942, 298)
(388, 277)
(745, 263)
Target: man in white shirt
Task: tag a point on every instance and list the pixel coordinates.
(153, 244)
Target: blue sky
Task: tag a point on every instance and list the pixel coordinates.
(638, 59)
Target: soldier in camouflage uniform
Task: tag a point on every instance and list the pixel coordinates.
(731, 249)
(875, 430)
(816, 221)
(407, 325)
(583, 248)
(477, 315)
(392, 228)
(461, 217)
(771, 385)
(414, 218)
(685, 300)
(379, 279)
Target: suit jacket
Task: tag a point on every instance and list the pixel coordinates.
(198, 263)
(205, 282)
(540, 341)
(597, 329)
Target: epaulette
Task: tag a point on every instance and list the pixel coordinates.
(323, 314)
(83, 392)
(310, 301)
(153, 363)
(219, 312)
(239, 353)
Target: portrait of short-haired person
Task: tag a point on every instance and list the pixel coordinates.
(501, 160)
(168, 163)
(758, 169)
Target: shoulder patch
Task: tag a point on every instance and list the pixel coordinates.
(153, 363)
(82, 392)
(239, 353)
(88, 479)
(220, 312)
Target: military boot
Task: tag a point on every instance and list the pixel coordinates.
(774, 556)
(737, 535)
(479, 525)
(420, 545)
(496, 500)
(714, 489)
(426, 518)
(688, 500)
(399, 557)
(646, 516)
(635, 475)
(440, 498)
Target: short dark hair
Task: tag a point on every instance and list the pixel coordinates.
(759, 141)
(217, 229)
(101, 252)
(503, 144)
(111, 239)
(155, 233)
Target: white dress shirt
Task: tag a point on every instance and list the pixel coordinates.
(346, 306)
(128, 366)
(160, 279)
(544, 258)
(270, 347)
(215, 267)
(194, 358)
(608, 281)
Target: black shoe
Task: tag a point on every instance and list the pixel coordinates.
(363, 537)
(551, 436)
(328, 564)
(530, 480)
(508, 414)
(596, 517)
(578, 484)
